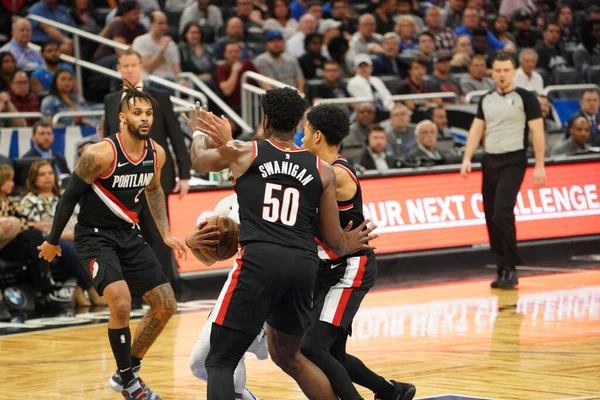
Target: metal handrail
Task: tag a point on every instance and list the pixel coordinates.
(581, 86)
(218, 101)
(344, 100)
(469, 96)
(98, 113)
(397, 97)
(17, 115)
(247, 110)
(262, 78)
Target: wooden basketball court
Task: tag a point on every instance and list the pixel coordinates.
(540, 342)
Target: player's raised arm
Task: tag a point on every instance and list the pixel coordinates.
(340, 241)
(95, 161)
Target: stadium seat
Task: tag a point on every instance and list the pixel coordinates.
(392, 82)
(565, 108)
(546, 77)
(309, 88)
(592, 74)
(256, 47)
(566, 76)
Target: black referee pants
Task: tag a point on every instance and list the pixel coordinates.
(502, 178)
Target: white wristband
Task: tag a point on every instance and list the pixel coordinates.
(198, 133)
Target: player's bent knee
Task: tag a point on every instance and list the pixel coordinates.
(120, 308)
(197, 367)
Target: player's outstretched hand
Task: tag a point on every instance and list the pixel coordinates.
(203, 237)
(192, 121)
(357, 238)
(48, 251)
(219, 129)
(177, 245)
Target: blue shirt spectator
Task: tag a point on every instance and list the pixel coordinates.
(49, 9)
(26, 58)
(45, 77)
(493, 42)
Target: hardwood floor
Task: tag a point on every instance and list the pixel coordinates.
(540, 342)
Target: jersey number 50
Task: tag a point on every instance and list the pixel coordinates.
(285, 210)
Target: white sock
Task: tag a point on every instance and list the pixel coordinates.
(247, 395)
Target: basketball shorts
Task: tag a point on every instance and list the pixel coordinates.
(112, 255)
(269, 283)
(340, 287)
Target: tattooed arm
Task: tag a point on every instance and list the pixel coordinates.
(158, 206)
(95, 161)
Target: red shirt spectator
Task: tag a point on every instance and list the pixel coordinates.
(229, 74)
(22, 98)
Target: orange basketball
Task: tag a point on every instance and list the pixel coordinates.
(228, 240)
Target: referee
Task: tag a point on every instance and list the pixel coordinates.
(507, 116)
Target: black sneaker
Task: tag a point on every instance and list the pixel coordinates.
(116, 384)
(499, 270)
(509, 279)
(402, 391)
(138, 394)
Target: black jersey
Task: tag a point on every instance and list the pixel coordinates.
(279, 196)
(350, 210)
(114, 199)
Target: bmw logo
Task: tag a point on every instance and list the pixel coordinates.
(14, 296)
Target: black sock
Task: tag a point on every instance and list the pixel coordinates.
(363, 376)
(120, 342)
(135, 362)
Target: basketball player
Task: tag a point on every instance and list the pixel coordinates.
(108, 180)
(203, 237)
(279, 188)
(342, 282)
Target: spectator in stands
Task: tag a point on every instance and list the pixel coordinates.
(415, 84)
(439, 116)
(145, 7)
(525, 35)
(587, 52)
(479, 42)
(338, 51)
(441, 79)
(298, 9)
(43, 33)
(408, 8)
(462, 54)
(41, 78)
(426, 49)
(260, 10)
(476, 80)
(365, 40)
(38, 206)
(569, 33)
(295, 44)
(86, 17)
(243, 12)
(24, 246)
(331, 87)
(42, 137)
(62, 97)
(280, 19)
(526, 76)
(550, 125)
(230, 72)
(234, 32)
(363, 84)
(160, 55)
(315, 9)
(340, 11)
(389, 62)
(549, 52)
(312, 61)
(374, 157)
(21, 97)
(359, 129)
(471, 21)
(6, 105)
(123, 30)
(578, 140)
(203, 13)
(500, 31)
(426, 153)
(444, 36)
(26, 58)
(8, 67)
(196, 57)
(400, 133)
(454, 14)
(407, 29)
(384, 16)
(330, 29)
(590, 106)
(277, 65)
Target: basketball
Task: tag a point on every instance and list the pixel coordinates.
(228, 240)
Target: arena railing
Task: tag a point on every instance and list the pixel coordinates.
(98, 113)
(18, 115)
(469, 96)
(218, 101)
(565, 88)
(397, 97)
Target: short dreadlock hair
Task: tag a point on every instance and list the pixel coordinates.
(284, 107)
(132, 93)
